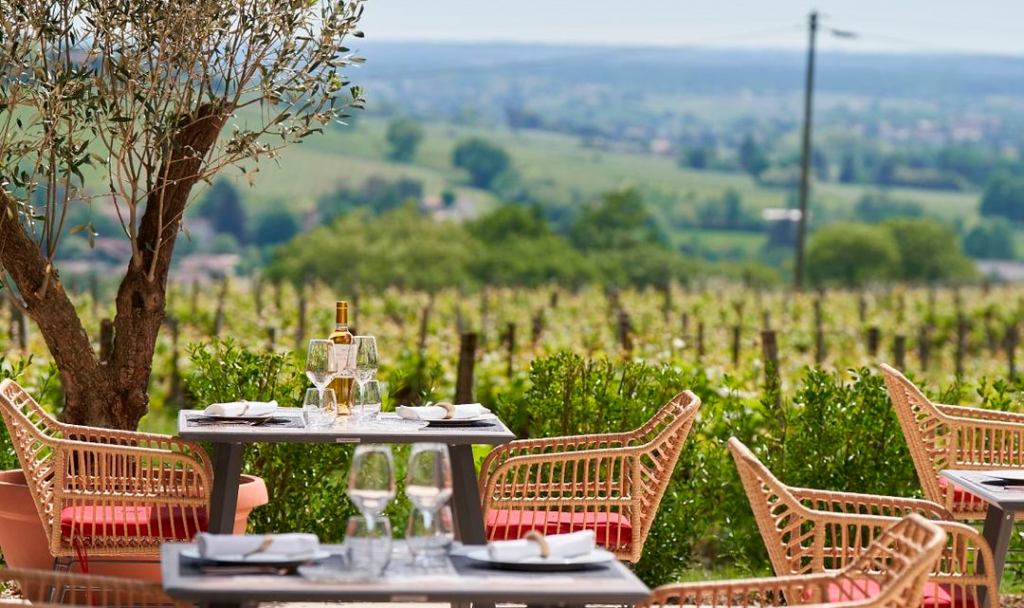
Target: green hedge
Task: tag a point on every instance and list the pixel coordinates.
(837, 431)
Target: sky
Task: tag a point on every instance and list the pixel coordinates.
(907, 26)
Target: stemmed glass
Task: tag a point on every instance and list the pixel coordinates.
(366, 362)
(371, 482)
(428, 484)
(321, 364)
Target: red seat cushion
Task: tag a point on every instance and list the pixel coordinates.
(959, 494)
(175, 523)
(609, 528)
(935, 595)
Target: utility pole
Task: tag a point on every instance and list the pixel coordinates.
(805, 160)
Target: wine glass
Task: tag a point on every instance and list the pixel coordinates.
(368, 399)
(366, 359)
(371, 482)
(428, 482)
(319, 410)
(368, 545)
(321, 364)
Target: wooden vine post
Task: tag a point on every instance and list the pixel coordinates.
(1010, 343)
(467, 360)
(770, 351)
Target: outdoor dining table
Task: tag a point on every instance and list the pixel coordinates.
(1003, 505)
(229, 441)
(456, 580)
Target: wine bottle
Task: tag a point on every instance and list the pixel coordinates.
(343, 345)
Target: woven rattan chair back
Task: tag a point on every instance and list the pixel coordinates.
(107, 492)
(613, 482)
(891, 572)
(50, 589)
(945, 436)
(808, 531)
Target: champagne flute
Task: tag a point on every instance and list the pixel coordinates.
(371, 481)
(321, 364)
(428, 483)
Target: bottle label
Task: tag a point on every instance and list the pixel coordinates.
(345, 355)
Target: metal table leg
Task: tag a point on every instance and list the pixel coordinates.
(227, 468)
(466, 508)
(469, 519)
(998, 527)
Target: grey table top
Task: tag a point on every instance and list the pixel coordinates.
(287, 427)
(1008, 499)
(458, 580)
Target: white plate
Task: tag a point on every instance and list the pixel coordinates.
(551, 564)
(266, 416)
(461, 421)
(257, 558)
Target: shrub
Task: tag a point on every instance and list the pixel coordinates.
(306, 482)
(838, 433)
(852, 254)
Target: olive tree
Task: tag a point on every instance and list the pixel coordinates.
(131, 105)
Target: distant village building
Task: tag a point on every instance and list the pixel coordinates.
(1001, 270)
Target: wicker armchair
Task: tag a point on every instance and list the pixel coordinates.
(105, 492)
(43, 588)
(891, 572)
(814, 531)
(611, 484)
(954, 437)
(51, 589)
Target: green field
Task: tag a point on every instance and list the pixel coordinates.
(558, 171)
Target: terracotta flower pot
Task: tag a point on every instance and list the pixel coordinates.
(24, 544)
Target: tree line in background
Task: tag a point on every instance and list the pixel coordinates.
(616, 239)
(766, 158)
(375, 238)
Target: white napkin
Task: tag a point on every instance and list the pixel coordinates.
(241, 408)
(436, 412)
(212, 546)
(560, 545)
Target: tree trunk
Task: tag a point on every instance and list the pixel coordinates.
(113, 394)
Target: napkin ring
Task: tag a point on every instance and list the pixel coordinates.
(537, 537)
(268, 540)
(449, 409)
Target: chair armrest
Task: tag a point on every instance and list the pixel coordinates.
(745, 592)
(88, 434)
(885, 506)
(547, 446)
(104, 472)
(979, 413)
(540, 476)
(955, 566)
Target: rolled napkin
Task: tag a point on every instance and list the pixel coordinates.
(213, 546)
(558, 546)
(237, 409)
(444, 411)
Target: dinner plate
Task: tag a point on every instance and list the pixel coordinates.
(1017, 476)
(597, 557)
(261, 418)
(266, 558)
(474, 421)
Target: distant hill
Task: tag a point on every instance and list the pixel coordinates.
(693, 70)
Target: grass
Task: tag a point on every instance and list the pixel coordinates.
(727, 243)
(557, 168)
